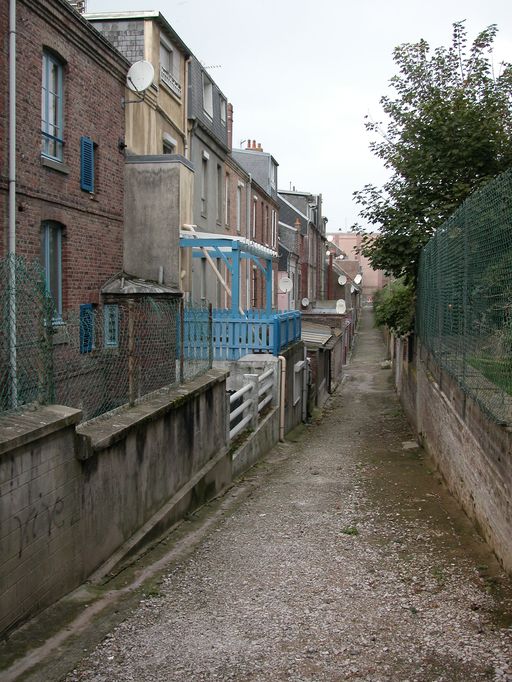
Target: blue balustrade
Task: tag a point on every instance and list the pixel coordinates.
(235, 335)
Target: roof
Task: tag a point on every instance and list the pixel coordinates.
(150, 14)
(224, 242)
(124, 284)
(315, 334)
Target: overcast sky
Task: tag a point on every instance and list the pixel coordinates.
(302, 75)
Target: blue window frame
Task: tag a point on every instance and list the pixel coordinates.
(51, 261)
(87, 164)
(111, 325)
(52, 107)
(86, 328)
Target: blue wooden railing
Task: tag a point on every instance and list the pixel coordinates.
(254, 332)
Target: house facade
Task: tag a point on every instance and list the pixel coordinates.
(159, 175)
(69, 161)
(304, 211)
(373, 280)
(262, 214)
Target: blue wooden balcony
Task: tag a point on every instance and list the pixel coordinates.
(233, 336)
(254, 332)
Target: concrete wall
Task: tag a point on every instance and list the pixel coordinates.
(158, 201)
(69, 500)
(473, 453)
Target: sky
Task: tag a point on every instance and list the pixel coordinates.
(302, 75)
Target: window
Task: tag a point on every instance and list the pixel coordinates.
(207, 96)
(266, 239)
(204, 185)
(274, 228)
(238, 208)
(219, 193)
(111, 326)
(87, 164)
(254, 204)
(223, 110)
(169, 66)
(169, 144)
(51, 261)
(52, 107)
(227, 201)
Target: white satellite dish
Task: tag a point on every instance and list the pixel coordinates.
(341, 307)
(352, 289)
(305, 302)
(358, 278)
(140, 76)
(285, 285)
(342, 280)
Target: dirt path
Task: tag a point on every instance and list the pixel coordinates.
(348, 561)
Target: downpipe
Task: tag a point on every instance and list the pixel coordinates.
(282, 396)
(12, 205)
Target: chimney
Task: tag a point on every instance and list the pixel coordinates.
(230, 126)
(260, 148)
(248, 144)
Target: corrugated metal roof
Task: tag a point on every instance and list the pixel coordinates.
(315, 334)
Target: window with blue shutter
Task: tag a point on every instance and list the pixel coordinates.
(86, 328)
(87, 164)
(111, 325)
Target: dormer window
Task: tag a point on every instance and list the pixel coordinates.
(223, 110)
(169, 65)
(207, 96)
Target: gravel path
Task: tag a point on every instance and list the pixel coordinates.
(349, 561)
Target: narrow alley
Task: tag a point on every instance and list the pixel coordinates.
(344, 559)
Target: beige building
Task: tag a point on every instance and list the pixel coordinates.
(159, 175)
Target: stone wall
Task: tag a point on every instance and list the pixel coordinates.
(71, 497)
(472, 452)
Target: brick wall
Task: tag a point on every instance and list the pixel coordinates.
(93, 86)
(471, 451)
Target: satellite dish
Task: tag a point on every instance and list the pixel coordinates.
(352, 289)
(358, 278)
(342, 280)
(285, 285)
(305, 302)
(140, 76)
(341, 307)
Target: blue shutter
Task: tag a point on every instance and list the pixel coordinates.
(86, 328)
(87, 164)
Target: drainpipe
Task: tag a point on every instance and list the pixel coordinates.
(12, 203)
(185, 112)
(282, 396)
(305, 387)
(248, 262)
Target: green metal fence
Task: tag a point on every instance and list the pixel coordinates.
(93, 358)
(464, 313)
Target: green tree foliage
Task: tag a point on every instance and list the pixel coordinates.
(394, 307)
(449, 131)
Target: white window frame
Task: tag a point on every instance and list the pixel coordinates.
(52, 107)
(207, 96)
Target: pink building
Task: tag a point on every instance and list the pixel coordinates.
(350, 242)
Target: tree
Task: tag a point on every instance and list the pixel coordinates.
(449, 131)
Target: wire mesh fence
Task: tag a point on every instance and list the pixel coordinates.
(95, 358)
(464, 315)
(25, 342)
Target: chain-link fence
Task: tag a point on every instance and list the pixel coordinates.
(96, 358)
(464, 315)
(25, 341)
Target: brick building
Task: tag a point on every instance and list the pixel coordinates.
(262, 213)
(69, 176)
